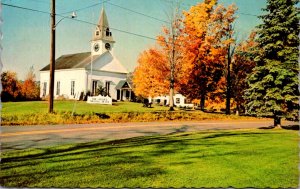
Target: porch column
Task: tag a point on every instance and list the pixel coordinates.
(121, 94)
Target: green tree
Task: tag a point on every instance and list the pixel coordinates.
(273, 84)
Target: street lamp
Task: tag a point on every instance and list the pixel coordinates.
(73, 15)
(52, 53)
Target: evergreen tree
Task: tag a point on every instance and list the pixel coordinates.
(273, 84)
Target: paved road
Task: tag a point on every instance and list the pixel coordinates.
(21, 137)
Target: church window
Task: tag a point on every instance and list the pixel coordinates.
(58, 88)
(107, 87)
(97, 33)
(107, 32)
(94, 87)
(44, 88)
(177, 100)
(72, 87)
(187, 101)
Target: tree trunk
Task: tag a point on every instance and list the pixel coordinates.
(172, 69)
(237, 111)
(171, 99)
(202, 102)
(277, 121)
(228, 81)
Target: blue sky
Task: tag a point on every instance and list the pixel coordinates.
(26, 34)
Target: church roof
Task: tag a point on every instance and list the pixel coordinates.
(104, 62)
(70, 61)
(104, 33)
(123, 84)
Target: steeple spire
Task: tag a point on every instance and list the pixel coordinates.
(103, 31)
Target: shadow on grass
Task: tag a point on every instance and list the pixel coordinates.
(180, 130)
(178, 140)
(287, 127)
(93, 158)
(124, 159)
(291, 127)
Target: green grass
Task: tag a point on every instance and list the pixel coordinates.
(35, 113)
(80, 107)
(241, 158)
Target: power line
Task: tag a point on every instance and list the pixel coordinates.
(90, 6)
(82, 21)
(184, 4)
(247, 14)
(40, 1)
(189, 5)
(24, 8)
(138, 13)
(106, 1)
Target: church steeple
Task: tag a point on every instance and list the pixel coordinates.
(103, 31)
(102, 38)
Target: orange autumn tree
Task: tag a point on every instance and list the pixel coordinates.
(243, 63)
(170, 42)
(206, 40)
(159, 69)
(150, 76)
(30, 90)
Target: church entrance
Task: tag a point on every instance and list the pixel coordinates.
(118, 94)
(124, 91)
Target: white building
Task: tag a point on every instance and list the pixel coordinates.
(83, 72)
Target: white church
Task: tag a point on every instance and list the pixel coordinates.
(82, 72)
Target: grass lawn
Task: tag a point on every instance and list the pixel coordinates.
(241, 158)
(81, 107)
(35, 113)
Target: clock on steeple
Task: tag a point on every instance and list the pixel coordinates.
(102, 40)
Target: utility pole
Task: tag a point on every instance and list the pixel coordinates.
(52, 57)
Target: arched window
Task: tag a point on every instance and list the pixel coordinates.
(107, 32)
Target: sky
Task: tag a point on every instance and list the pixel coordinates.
(26, 34)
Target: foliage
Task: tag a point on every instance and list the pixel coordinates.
(154, 76)
(209, 159)
(171, 43)
(15, 90)
(30, 89)
(242, 65)
(206, 36)
(10, 86)
(191, 54)
(151, 75)
(273, 85)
